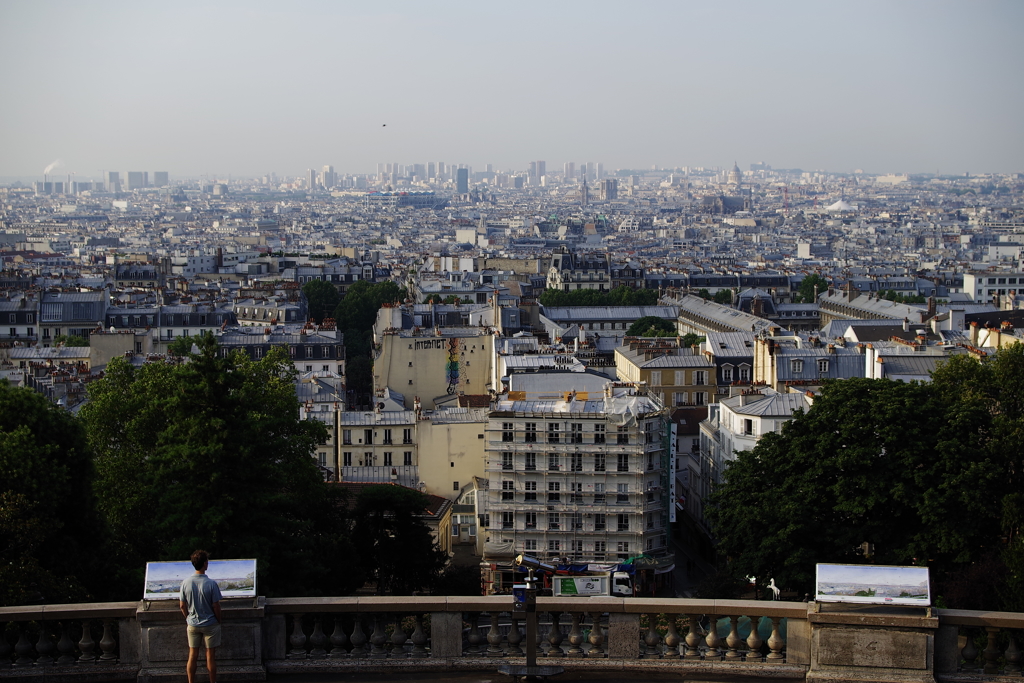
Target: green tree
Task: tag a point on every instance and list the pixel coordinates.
(51, 537)
(691, 339)
(805, 292)
(652, 326)
(704, 294)
(900, 466)
(395, 547)
(322, 298)
(355, 316)
(181, 346)
(70, 340)
(620, 296)
(723, 296)
(211, 453)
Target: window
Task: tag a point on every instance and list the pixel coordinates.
(347, 458)
(599, 522)
(368, 459)
(368, 436)
(680, 378)
(650, 436)
(508, 491)
(622, 493)
(507, 431)
(508, 520)
(554, 491)
(576, 520)
(407, 436)
(600, 548)
(577, 547)
(796, 366)
(531, 432)
(679, 398)
(622, 435)
(575, 493)
(599, 459)
(599, 431)
(553, 521)
(623, 522)
(387, 436)
(623, 463)
(650, 521)
(552, 462)
(576, 462)
(531, 520)
(531, 491)
(655, 378)
(554, 546)
(531, 461)
(748, 427)
(700, 398)
(744, 373)
(727, 374)
(407, 458)
(530, 544)
(599, 494)
(700, 377)
(577, 433)
(455, 486)
(553, 432)
(622, 547)
(823, 365)
(387, 458)
(506, 461)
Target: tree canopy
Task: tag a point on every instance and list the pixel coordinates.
(926, 474)
(652, 326)
(70, 340)
(355, 316)
(620, 296)
(50, 535)
(322, 298)
(211, 453)
(805, 292)
(394, 546)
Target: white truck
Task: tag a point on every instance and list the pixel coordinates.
(615, 584)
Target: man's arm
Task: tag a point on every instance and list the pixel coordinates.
(216, 612)
(184, 608)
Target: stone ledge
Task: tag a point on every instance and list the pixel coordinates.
(75, 672)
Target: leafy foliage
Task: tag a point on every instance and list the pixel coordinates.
(620, 296)
(723, 296)
(70, 340)
(691, 339)
(926, 473)
(805, 293)
(355, 315)
(322, 298)
(211, 453)
(652, 326)
(897, 297)
(394, 546)
(50, 535)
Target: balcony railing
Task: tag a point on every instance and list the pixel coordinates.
(737, 640)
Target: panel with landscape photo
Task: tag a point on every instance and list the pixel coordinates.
(873, 584)
(236, 578)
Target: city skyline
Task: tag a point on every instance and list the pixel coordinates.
(244, 89)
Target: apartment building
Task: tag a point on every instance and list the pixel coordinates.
(677, 376)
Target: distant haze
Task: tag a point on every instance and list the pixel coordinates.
(250, 87)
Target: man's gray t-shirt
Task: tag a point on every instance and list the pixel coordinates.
(200, 592)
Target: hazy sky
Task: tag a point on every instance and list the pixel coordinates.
(248, 87)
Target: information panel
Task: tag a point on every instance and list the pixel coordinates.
(873, 584)
(236, 578)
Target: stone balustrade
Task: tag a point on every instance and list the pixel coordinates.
(714, 638)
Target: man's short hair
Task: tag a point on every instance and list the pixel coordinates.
(199, 559)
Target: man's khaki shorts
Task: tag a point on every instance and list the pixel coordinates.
(198, 635)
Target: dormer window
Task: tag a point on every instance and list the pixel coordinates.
(796, 366)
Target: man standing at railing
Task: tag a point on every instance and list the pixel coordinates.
(199, 601)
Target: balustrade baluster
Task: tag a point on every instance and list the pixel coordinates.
(992, 650)
(23, 648)
(575, 636)
(970, 652)
(86, 645)
(317, 641)
(494, 636)
(652, 639)
(44, 647)
(377, 639)
(473, 638)
(776, 644)
(542, 644)
(65, 646)
(515, 637)
(419, 639)
(712, 640)
(338, 640)
(596, 637)
(5, 647)
(358, 638)
(671, 638)
(733, 640)
(693, 638)
(108, 644)
(1012, 655)
(754, 641)
(555, 636)
(398, 638)
(297, 639)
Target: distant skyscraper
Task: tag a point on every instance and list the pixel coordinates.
(113, 181)
(584, 193)
(533, 170)
(136, 180)
(542, 169)
(569, 170)
(462, 181)
(160, 179)
(328, 177)
(311, 179)
(599, 172)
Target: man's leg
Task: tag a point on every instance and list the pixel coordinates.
(211, 663)
(193, 661)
